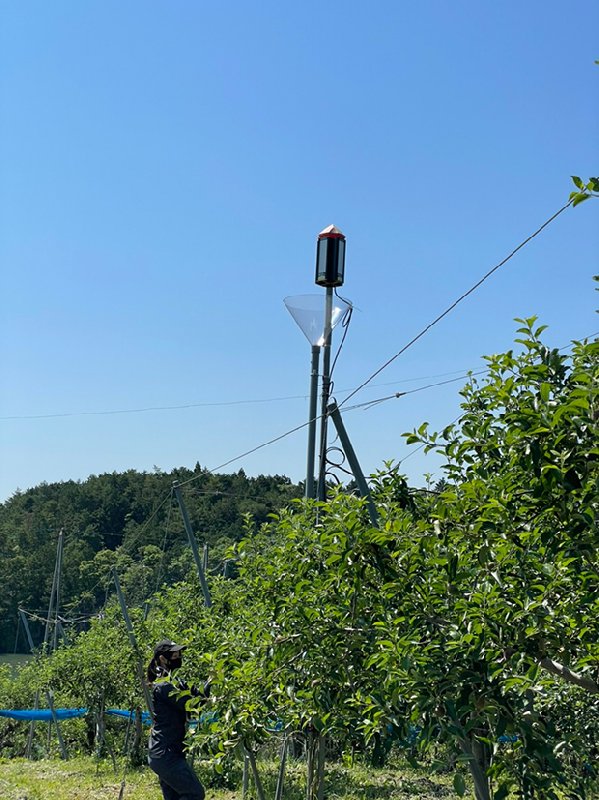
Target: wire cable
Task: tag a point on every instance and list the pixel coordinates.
(370, 403)
(450, 308)
(253, 449)
(206, 405)
(345, 323)
(152, 408)
(319, 416)
(420, 446)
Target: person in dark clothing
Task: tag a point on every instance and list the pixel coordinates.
(166, 756)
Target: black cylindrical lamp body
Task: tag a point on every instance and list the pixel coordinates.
(330, 257)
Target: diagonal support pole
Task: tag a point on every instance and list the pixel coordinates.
(194, 545)
(133, 641)
(335, 414)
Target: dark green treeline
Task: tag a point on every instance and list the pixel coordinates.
(107, 520)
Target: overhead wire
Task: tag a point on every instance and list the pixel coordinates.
(345, 323)
(481, 372)
(370, 403)
(328, 465)
(389, 361)
(105, 580)
(349, 391)
(257, 401)
(151, 408)
(354, 407)
(364, 405)
(462, 297)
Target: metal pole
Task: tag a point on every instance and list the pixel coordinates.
(326, 390)
(138, 665)
(55, 640)
(48, 694)
(193, 544)
(320, 767)
(58, 587)
(52, 591)
(245, 778)
(37, 694)
(310, 489)
(61, 743)
(349, 451)
(281, 772)
(254, 768)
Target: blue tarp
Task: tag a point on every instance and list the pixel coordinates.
(43, 714)
(117, 712)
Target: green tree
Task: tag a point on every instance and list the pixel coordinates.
(500, 581)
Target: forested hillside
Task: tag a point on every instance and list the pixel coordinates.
(128, 519)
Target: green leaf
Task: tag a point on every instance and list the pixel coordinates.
(459, 784)
(580, 198)
(502, 791)
(545, 391)
(577, 181)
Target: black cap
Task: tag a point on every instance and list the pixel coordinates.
(167, 646)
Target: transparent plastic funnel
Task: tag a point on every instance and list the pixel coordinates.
(308, 311)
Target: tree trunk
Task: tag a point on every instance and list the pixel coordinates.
(258, 783)
(136, 754)
(476, 753)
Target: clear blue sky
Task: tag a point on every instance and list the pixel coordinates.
(165, 169)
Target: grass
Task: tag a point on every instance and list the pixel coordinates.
(76, 779)
(85, 778)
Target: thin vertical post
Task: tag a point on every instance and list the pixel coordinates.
(326, 390)
(36, 702)
(193, 544)
(58, 587)
(281, 771)
(309, 765)
(310, 488)
(133, 641)
(245, 780)
(128, 731)
(354, 464)
(205, 558)
(53, 590)
(49, 699)
(320, 766)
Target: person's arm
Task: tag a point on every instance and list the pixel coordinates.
(204, 692)
(169, 694)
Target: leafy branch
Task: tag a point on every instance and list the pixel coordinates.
(583, 190)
